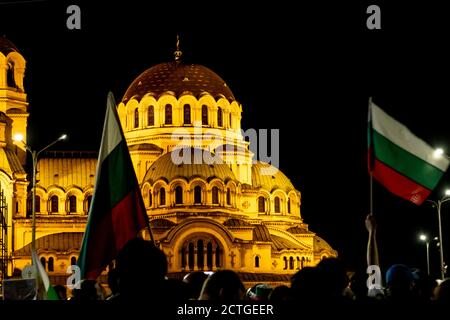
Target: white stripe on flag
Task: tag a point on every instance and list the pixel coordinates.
(400, 135)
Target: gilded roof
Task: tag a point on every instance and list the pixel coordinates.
(233, 222)
(178, 78)
(6, 46)
(145, 147)
(161, 223)
(280, 243)
(270, 182)
(165, 168)
(9, 162)
(298, 230)
(261, 233)
(59, 242)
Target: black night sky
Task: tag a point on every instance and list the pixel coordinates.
(307, 70)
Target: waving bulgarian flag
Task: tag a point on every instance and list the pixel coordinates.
(404, 164)
(117, 213)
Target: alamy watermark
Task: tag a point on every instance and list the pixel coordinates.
(208, 146)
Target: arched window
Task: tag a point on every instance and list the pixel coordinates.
(73, 261)
(215, 195)
(178, 195)
(136, 118)
(200, 255)
(291, 263)
(162, 197)
(261, 204)
(10, 76)
(277, 204)
(218, 256)
(168, 114)
(54, 204)
(89, 201)
(191, 256)
(197, 195)
(72, 204)
(209, 256)
(298, 263)
(204, 115)
(229, 196)
(43, 262)
(289, 205)
(231, 122)
(285, 263)
(257, 262)
(151, 116)
(51, 266)
(187, 114)
(183, 258)
(37, 200)
(150, 198)
(219, 117)
(302, 264)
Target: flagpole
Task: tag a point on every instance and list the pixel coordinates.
(370, 164)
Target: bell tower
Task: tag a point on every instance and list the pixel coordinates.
(13, 99)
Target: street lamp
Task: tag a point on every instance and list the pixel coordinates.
(424, 238)
(438, 204)
(35, 155)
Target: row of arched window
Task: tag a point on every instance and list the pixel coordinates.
(187, 116)
(199, 197)
(262, 201)
(201, 254)
(49, 264)
(295, 263)
(53, 205)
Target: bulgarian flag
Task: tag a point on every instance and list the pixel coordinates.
(44, 289)
(404, 164)
(117, 213)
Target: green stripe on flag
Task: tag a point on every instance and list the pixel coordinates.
(406, 163)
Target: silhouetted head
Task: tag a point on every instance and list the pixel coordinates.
(306, 284)
(443, 291)
(280, 294)
(61, 291)
(195, 282)
(399, 281)
(424, 285)
(223, 286)
(87, 291)
(141, 269)
(334, 277)
(113, 280)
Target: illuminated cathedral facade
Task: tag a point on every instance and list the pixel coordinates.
(230, 213)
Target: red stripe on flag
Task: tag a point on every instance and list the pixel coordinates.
(399, 184)
(114, 231)
(127, 217)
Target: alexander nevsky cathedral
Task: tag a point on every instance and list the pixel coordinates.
(236, 213)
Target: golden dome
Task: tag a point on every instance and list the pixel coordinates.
(164, 168)
(267, 181)
(178, 78)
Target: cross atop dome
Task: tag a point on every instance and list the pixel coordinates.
(178, 52)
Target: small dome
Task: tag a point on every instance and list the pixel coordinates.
(322, 245)
(178, 78)
(166, 169)
(269, 181)
(7, 46)
(261, 233)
